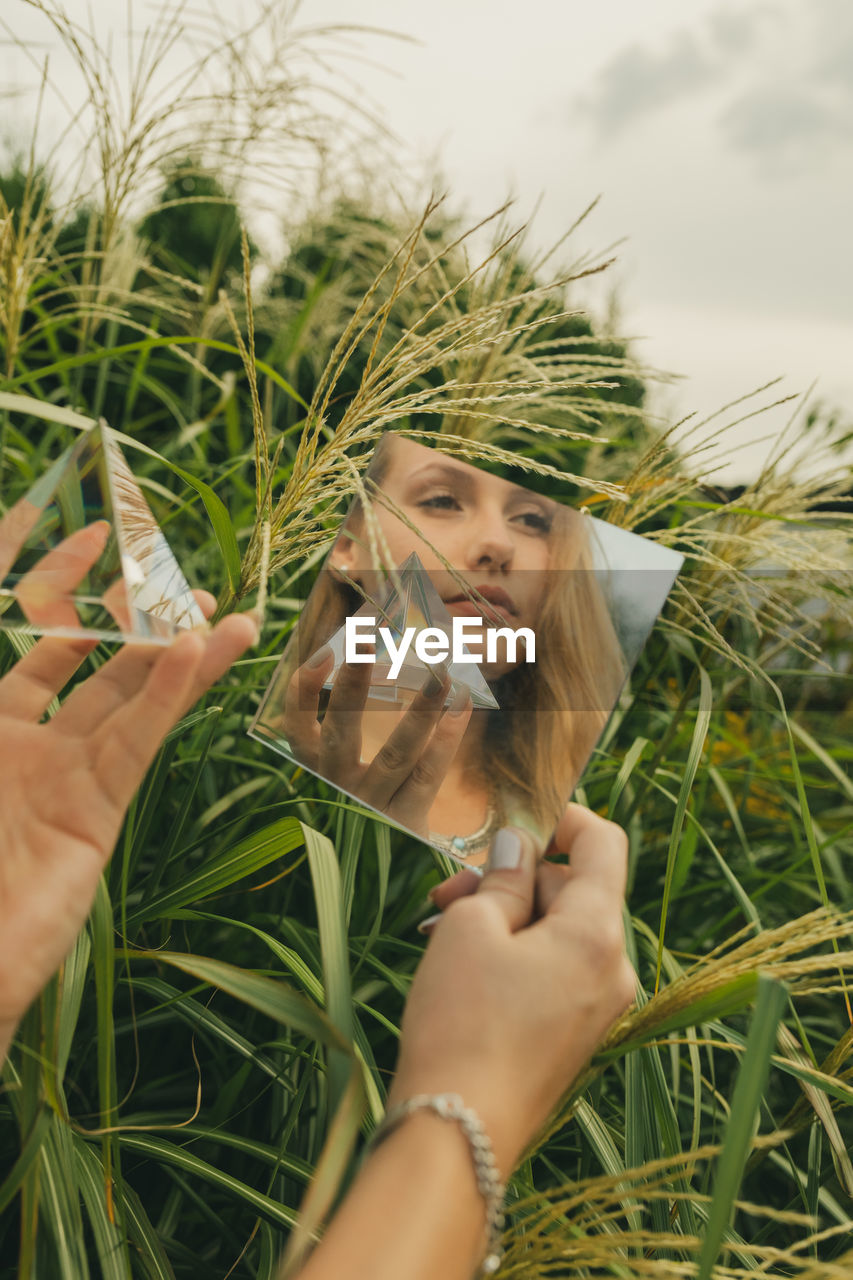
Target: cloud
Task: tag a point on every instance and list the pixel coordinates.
(777, 78)
(780, 117)
(834, 38)
(798, 111)
(639, 80)
(736, 31)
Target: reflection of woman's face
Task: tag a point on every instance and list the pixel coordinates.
(495, 534)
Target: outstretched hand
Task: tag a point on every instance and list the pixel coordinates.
(65, 784)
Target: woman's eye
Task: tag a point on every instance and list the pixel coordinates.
(440, 502)
(535, 521)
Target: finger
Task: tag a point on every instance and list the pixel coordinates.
(29, 688)
(395, 759)
(15, 527)
(417, 794)
(206, 602)
(112, 685)
(223, 645)
(593, 894)
(127, 742)
(461, 885)
(340, 737)
(302, 706)
(45, 593)
(121, 678)
(597, 849)
(551, 878)
(510, 876)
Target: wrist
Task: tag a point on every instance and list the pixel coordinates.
(451, 1110)
(498, 1111)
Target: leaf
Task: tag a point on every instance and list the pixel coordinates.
(700, 732)
(331, 1166)
(91, 1180)
(268, 996)
(11, 1184)
(334, 950)
(256, 851)
(746, 1102)
(158, 1149)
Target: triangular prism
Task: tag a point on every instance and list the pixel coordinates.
(135, 590)
(414, 603)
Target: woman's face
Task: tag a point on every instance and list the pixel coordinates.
(495, 534)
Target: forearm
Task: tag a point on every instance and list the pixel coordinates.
(413, 1211)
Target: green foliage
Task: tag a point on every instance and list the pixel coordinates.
(229, 1020)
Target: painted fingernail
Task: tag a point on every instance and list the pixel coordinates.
(505, 853)
(461, 702)
(317, 659)
(427, 926)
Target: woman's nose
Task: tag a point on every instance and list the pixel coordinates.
(490, 544)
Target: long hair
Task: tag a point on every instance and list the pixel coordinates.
(552, 711)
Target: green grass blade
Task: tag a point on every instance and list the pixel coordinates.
(746, 1101)
(334, 950)
(11, 1184)
(109, 1241)
(264, 994)
(163, 1152)
(700, 732)
(256, 851)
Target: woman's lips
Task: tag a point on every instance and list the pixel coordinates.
(464, 607)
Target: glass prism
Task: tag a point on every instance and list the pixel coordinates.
(135, 589)
(411, 601)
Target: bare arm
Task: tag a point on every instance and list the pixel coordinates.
(518, 985)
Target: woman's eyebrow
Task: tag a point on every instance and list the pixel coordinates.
(446, 471)
(519, 494)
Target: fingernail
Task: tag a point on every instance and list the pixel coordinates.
(427, 926)
(317, 659)
(432, 686)
(505, 853)
(461, 702)
(254, 618)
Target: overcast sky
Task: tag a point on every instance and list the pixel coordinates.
(719, 132)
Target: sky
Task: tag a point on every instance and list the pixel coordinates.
(718, 133)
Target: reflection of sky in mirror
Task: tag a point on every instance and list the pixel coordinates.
(637, 575)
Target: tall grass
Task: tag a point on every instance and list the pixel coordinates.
(227, 1023)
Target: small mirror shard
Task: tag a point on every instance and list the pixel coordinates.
(134, 591)
(411, 602)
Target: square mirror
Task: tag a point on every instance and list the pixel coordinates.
(462, 649)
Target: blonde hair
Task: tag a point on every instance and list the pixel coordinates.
(553, 711)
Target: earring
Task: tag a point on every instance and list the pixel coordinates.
(340, 570)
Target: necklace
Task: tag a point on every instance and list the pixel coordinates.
(465, 846)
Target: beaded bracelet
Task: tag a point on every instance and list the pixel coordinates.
(449, 1106)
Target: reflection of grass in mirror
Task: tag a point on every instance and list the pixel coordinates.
(742, 810)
